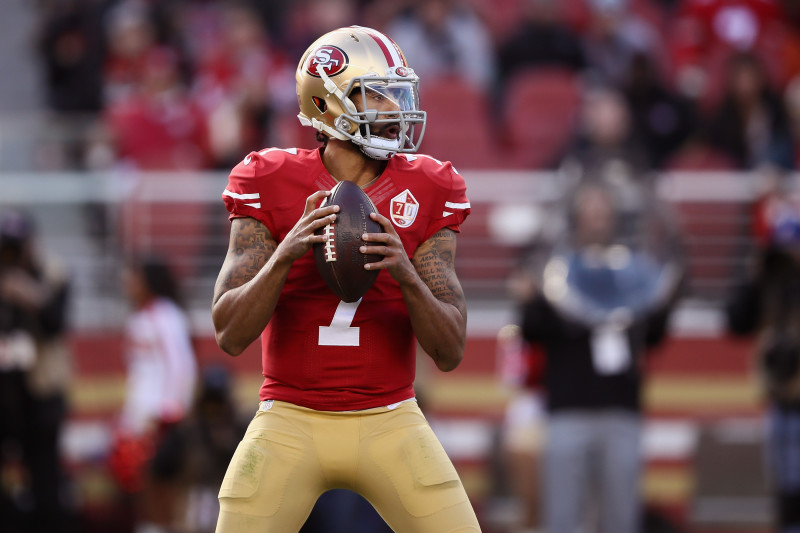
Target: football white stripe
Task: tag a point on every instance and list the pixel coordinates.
(446, 213)
(453, 205)
(257, 205)
(248, 196)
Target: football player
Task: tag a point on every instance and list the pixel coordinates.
(337, 404)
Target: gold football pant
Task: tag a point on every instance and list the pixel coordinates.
(290, 455)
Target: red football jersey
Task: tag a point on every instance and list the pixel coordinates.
(318, 351)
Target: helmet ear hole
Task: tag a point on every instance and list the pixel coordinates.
(320, 104)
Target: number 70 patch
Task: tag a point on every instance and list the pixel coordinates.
(404, 209)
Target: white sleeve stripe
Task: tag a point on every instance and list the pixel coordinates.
(249, 196)
(446, 213)
(453, 205)
(265, 151)
(257, 205)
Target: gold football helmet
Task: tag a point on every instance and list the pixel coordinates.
(359, 58)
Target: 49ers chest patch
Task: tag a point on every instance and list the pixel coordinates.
(404, 209)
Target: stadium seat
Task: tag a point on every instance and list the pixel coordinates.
(499, 16)
(541, 106)
(459, 127)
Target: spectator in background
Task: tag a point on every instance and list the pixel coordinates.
(605, 147)
(540, 39)
(792, 102)
(445, 38)
(601, 302)
(613, 39)
(131, 37)
(71, 46)
(704, 31)
(161, 379)
(520, 368)
(768, 304)
(241, 83)
(34, 374)
(750, 125)
(523, 430)
(194, 454)
(160, 127)
(662, 119)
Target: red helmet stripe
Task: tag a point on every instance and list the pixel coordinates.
(389, 48)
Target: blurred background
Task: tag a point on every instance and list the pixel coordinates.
(663, 133)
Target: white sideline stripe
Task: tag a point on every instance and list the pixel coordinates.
(248, 196)
(453, 205)
(257, 205)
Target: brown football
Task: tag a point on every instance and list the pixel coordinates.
(339, 260)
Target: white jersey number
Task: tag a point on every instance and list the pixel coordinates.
(340, 332)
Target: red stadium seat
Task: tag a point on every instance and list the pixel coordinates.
(541, 106)
(459, 127)
(498, 15)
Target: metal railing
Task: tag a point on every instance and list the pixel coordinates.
(91, 220)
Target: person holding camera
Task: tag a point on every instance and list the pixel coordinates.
(601, 302)
(34, 374)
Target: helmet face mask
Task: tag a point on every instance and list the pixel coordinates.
(400, 98)
(369, 67)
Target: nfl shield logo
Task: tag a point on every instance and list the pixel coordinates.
(404, 209)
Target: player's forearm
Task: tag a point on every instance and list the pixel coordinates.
(242, 313)
(439, 326)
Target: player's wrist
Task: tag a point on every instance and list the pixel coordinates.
(410, 282)
(282, 257)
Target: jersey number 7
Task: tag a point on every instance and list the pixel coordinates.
(340, 332)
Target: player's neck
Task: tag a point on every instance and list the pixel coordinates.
(344, 161)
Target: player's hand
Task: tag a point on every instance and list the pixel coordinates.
(300, 239)
(389, 245)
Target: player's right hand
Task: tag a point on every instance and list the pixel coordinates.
(300, 239)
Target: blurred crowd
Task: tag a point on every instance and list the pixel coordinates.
(194, 84)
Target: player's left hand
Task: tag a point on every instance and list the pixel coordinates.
(389, 245)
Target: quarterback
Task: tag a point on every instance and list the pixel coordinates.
(337, 407)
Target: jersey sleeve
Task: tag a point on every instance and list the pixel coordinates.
(454, 206)
(243, 194)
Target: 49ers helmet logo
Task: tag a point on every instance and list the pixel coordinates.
(330, 58)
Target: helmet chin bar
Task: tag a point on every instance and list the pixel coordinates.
(381, 148)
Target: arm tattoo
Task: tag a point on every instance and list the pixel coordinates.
(434, 261)
(251, 245)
